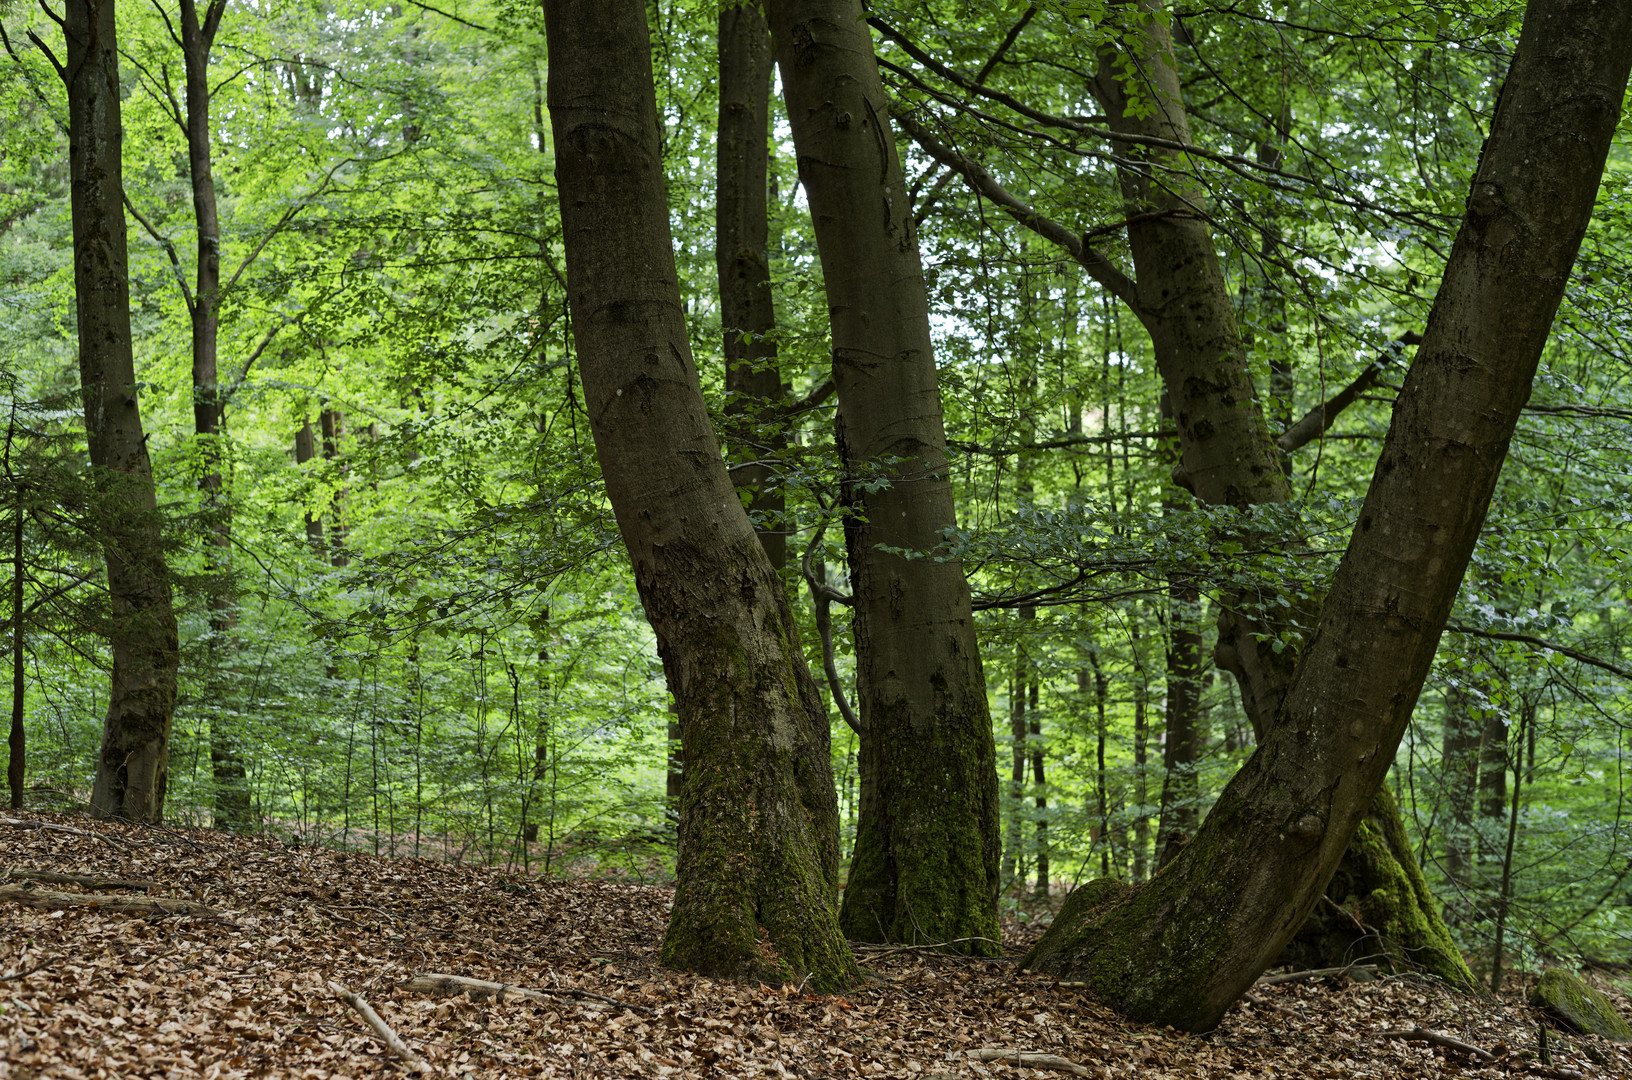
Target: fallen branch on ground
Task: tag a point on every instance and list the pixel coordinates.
(93, 881)
(1421, 1034)
(1027, 1060)
(124, 905)
(383, 1030)
(13, 823)
(1264, 1003)
(482, 990)
(891, 950)
(1316, 973)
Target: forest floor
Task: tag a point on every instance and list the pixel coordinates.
(253, 986)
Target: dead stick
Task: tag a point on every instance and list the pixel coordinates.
(93, 881)
(482, 990)
(1028, 1060)
(383, 1030)
(1421, 1034)
(1316, 973)
(15, 824)
(123, 905)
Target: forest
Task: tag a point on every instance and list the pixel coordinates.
(1130, 492)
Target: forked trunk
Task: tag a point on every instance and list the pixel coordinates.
(1183, 948)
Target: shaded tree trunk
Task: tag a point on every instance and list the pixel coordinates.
(1460, 768)
(306, 450)
(132, 769)
(754, 389)
(758, 864)
(928, 840)
(333, 425)
(1187, 945)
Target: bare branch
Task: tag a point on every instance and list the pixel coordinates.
(1318, 420)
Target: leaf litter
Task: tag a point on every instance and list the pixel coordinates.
(559, 978)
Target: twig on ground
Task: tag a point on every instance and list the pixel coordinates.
(482, 990)
(1027, 1060)
(1265, 1003)
(13, 823)
(94, 881)
(8, 976)
(124, 905)
(372, 1018)
(1422, 1034)
(891, 950)
(1316, 973)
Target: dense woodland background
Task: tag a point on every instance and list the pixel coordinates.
(407, 624)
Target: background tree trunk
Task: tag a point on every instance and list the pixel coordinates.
(1183, 948)
(755, 392)
(133, 767)
(928, 840)
(758, 864)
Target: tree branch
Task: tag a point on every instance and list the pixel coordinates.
(1100, 268)
(169, 249)
(1542, 643)
(1319, 419)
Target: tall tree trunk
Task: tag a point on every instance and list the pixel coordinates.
(1183, 721)
(928, 842)
(232, 802)
(1187, 945)
(758, 865)
(132, 769)
(754, 389)
(17, 741)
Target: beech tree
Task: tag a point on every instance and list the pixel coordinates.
(758, 858)
(132, 770)
(925, 868)
(1187, 945)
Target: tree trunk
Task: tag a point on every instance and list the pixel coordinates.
(333, 425)
(1460, 768)
(928, 841)
(133, 767)
(758, 864)
(754, 389)
(306, 450)
(17, 742)
(1186, 730)
(232, 802)
(1187, 945)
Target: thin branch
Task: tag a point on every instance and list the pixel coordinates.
(1422, 1034)
(448, 15)
(169, 249)
(1004, 45)
(1542, 643)
(824, 596)
(1100, 268)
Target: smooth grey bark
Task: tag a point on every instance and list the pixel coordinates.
(132, 768)
(928, 840)
(757, 870)
(1187, 945)
(755, 392)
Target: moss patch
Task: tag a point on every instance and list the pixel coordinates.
(1578, 1006)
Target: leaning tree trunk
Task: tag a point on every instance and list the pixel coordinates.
(928, 841)
(1186, 946)
(132, 769)
(758, 864)
(1227, 456)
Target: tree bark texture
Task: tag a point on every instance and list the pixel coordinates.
(758, 864)
(928, 841)
(1185, 947)
(133, 767)
(754, 388)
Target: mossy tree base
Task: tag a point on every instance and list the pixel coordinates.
(1378, 909)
